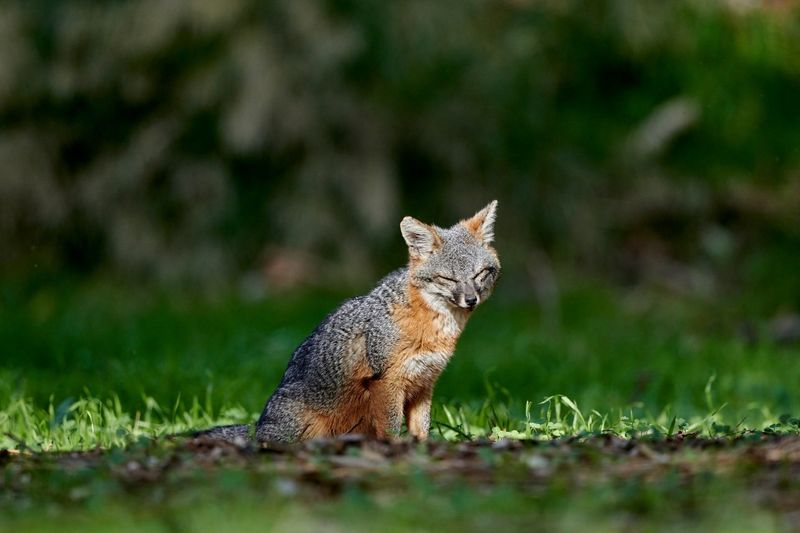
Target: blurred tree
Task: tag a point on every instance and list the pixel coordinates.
(194, 139)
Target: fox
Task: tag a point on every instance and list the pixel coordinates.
(374, 361)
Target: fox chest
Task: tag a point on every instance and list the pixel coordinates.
(426, 341)
(423, 369)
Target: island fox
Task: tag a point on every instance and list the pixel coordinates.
(376, 358)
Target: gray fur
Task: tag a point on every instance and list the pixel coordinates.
(456, 269)
(316, 369)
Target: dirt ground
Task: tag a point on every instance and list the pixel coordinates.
(766, 466)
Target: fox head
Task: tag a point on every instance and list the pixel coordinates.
(456, 266)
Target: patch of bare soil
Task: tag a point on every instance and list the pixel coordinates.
(767, 465)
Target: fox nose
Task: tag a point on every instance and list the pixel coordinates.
(471, 300)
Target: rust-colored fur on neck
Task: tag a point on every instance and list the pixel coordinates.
(421, 327)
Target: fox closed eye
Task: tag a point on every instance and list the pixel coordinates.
(485, 273)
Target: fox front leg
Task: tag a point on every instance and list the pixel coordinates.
(394, 419)
(387, 412)
(418, 415)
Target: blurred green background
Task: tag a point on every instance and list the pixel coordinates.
(188, 187)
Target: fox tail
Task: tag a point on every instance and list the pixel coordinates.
(234, 433)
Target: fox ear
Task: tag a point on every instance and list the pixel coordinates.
(481, 225)
(422, 239)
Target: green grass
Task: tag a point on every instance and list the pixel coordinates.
(88, 422)
(100, 365)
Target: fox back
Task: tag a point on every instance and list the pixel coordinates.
(375, 360)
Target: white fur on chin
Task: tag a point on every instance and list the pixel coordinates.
(453, 321)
